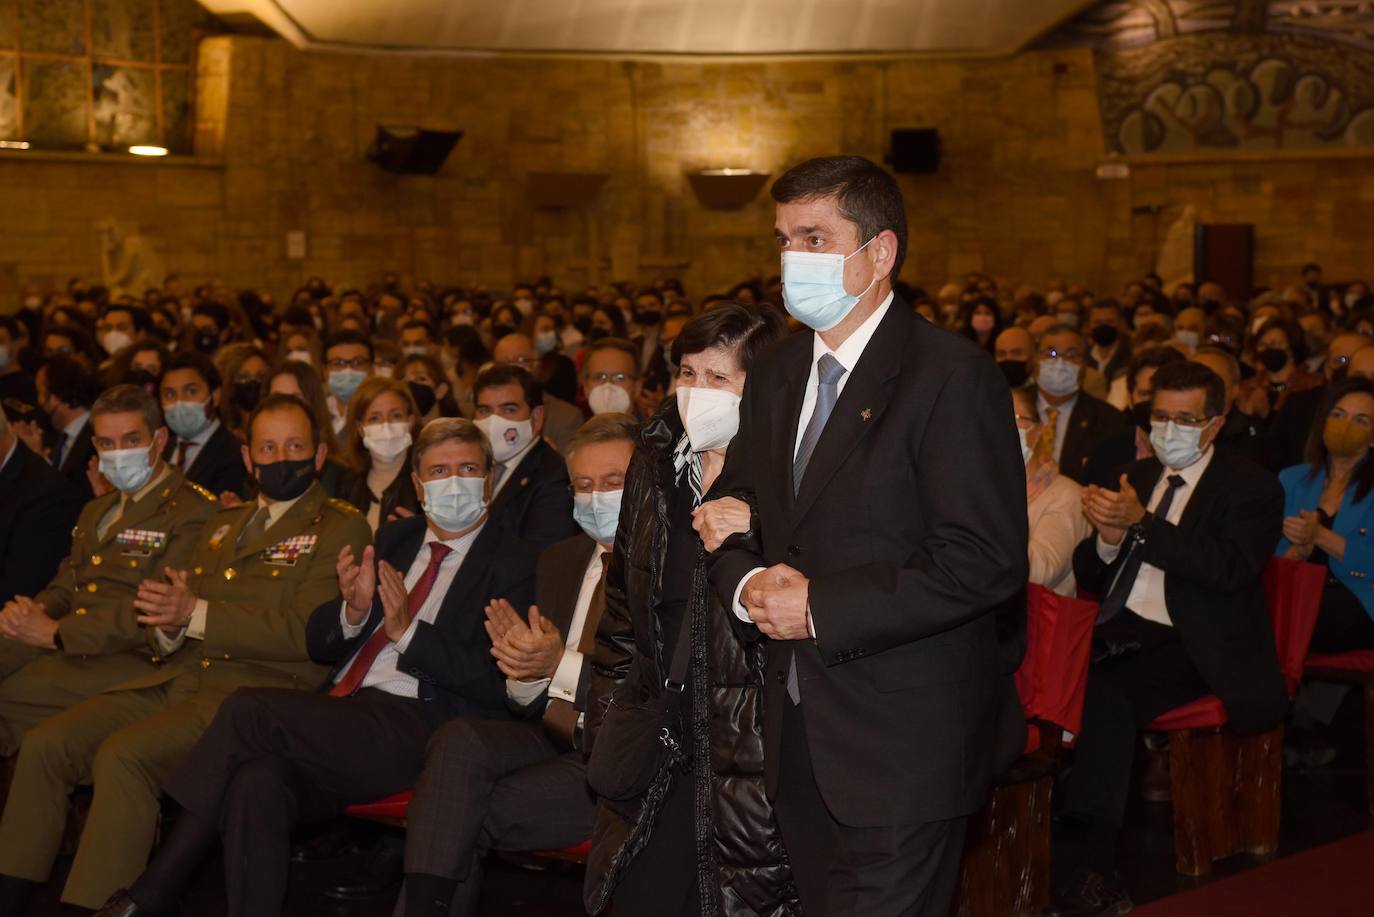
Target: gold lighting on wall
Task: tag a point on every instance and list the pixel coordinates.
(727, 188)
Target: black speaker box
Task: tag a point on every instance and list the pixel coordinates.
(915, 150)
(411, 150)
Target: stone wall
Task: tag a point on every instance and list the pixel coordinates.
(1016, 195)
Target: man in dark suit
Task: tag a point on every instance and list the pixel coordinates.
(1110, 350)
(1075, 422)
(66, 391)
(203, 448)
(521, 785)
(38, 508)
(410, 652)
(1289, 428)
(1178, 558)
(892, 517)
(531, 489)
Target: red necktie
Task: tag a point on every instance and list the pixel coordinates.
(353, 678)
(181, 454)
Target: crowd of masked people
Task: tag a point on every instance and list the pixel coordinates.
(260, 561)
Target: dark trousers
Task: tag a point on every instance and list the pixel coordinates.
(274, 758)
(1343, 624)
(492, 784)
(661, 880)
(844, 871)
(1150, 673)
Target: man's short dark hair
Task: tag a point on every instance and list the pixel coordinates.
(749, 330)
(347, 336)
(1151, 358)
(193, 360)
(417, 323)
(509, 374)
(214, 311)
(279, 401)
(1188, 376)
(137, 315)
(1107, 302)
(127, 399)
(867, 196)
(70, 382)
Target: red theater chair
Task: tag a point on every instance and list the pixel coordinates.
(1225, 787)
(392, 811)
(1356, 668)
(1006, 868)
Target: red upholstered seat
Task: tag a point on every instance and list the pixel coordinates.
(1053, 675)
(1355, 661)
(1203, 713)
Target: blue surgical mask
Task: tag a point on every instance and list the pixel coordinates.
(344, 382)
(127, 469)
(187, 418)
(1057, 377)
(455, 503)
(1187, 338)
(1176, 446)
(598, 514)
(813, 287)
(545, 342)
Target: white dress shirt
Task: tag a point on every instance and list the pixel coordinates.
(385, 674)
(195, 627)
(1147, 593)
(1061, 422)
(563, 685)
(849, 354)
(196, 443)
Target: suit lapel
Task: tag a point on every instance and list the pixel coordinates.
(518, 478)
(307, 506)
(786, 418)
(866, 396)
(1201, 498)
(140, 510)
(569, 586)
(472, 573)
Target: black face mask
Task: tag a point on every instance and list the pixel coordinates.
(245, 395)
(1105, 335)
(424, 396)
(287, 479)
(595, 333)
(649, 317)
(1016, 372)
(583, 325)
(142, 378)
(1340, 373)
(1273, 359)
(207, 342)
(1140, 413)
(500, 331)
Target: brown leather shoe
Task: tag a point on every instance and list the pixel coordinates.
(1156, 786)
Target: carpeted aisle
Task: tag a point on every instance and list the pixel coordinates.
(1329, 881)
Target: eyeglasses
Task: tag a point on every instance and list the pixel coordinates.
(617, 378)
(522, 361)
(1183, 420)
(355, 363)
(1072, 355)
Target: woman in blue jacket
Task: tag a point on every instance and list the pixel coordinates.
(1329, 515)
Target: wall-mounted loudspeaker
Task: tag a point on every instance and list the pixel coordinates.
(915, 150)
(411, 150)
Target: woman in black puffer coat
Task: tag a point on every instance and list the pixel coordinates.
(704, 841)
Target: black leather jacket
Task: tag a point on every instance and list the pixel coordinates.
(744, 871)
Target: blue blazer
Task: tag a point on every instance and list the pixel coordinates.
(1354, 523)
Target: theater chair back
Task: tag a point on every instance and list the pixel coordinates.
(1054, 673)
(1294, 593)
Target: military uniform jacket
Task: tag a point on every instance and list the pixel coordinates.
(93, 592)
(259, 596)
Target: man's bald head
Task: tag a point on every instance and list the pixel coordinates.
(1341, 349)
(1362, 364)
(1013, 344)
(516, 348)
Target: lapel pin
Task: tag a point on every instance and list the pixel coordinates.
(866, 413)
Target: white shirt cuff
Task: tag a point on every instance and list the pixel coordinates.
(169, 645)
(740, 611)
(195, 628)
(1107, 552)
(566, 676)
(525, 693)
(403, 644)
(349, 630)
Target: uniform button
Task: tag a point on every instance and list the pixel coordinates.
(276, 573)
(155, 659)
(205, 663)
(133, 565)
(793, 551)
(96, 559)
(91, 587)
(230, 573)
(226, 655)
(80, 612)
(199, 571)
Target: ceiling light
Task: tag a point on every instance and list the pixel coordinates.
(148, 150)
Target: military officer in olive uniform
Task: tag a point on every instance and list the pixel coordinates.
(237, 617)
(80, 633)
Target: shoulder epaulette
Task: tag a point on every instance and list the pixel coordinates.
(342, 505)
(202, 491)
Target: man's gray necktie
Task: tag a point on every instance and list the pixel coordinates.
(829, 371)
